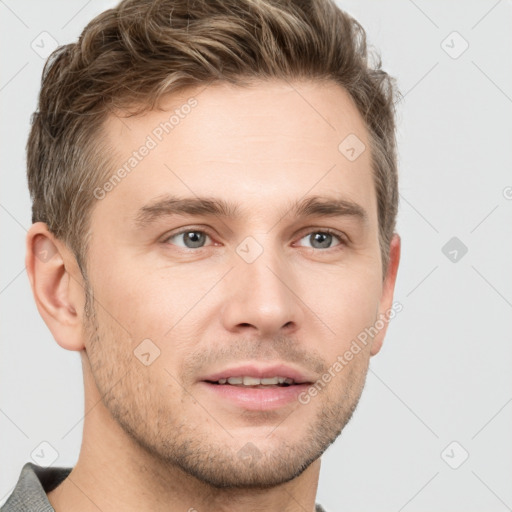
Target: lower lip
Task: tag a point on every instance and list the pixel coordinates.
(257, 399)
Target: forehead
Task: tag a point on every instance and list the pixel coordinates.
(259, 145)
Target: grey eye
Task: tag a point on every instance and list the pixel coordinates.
(321, 240)
(190, 239)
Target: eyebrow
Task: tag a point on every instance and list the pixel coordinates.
(169, 205)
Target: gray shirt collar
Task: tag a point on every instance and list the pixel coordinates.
(30, 491)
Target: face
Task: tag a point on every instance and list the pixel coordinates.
(241, 245)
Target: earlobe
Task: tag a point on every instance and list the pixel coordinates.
(386, 301)
(57, 285)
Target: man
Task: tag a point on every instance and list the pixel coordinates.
(214, 192)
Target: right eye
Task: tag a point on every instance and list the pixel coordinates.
(188, 239)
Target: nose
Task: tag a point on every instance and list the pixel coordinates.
(260, 296)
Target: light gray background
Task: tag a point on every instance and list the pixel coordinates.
(443, 374)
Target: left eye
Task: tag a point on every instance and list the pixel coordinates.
(189, 239)
(322, 239)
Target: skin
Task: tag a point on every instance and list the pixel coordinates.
(152, 435)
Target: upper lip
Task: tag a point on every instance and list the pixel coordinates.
(261, 372)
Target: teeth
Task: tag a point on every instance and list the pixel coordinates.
(254, 381)
(251, 381)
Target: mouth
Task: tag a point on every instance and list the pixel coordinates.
(255, 382)
(257, 388)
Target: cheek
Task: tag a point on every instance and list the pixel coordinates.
(136, 366)
(347, 303)
(165, 305)
(145, 303)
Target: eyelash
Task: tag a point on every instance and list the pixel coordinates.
(342, 239)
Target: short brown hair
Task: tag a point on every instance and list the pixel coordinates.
(135, 53)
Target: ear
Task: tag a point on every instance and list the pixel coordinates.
(388, 288)
(57, 285)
